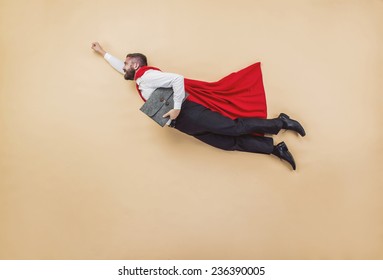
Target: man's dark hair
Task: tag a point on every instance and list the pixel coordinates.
(139, 58)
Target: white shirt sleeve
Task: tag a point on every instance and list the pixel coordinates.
(115, 62)
(156, 79)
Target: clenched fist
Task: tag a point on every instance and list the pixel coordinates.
(97, 48)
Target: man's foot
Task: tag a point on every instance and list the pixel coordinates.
(282, 152)
(291, 124)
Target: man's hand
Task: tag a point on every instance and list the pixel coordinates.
(173, 114)
(98, 49)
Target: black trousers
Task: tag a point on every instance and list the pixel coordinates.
(227, 134)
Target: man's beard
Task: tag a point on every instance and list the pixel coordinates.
(129, 74)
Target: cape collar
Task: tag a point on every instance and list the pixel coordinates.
(141, 71)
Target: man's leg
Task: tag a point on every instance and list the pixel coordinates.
(196, 119)
(245, 143)
(192, 121)
(248, 143)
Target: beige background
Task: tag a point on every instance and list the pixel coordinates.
(85, 175)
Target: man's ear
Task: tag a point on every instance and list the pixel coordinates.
(136, 65)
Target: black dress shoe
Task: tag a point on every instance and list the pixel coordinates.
(291, 124)
(282, 152)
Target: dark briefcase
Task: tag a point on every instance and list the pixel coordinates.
(159, 103)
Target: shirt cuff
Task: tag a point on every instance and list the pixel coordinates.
(177, 105)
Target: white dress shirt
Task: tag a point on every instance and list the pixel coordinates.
(153, 79)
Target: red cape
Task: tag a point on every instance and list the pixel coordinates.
(240, 94)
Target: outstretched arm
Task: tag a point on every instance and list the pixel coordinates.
(114, 62)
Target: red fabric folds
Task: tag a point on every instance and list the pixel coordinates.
(238, 95)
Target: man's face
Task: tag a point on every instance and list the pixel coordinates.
(130, 68)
